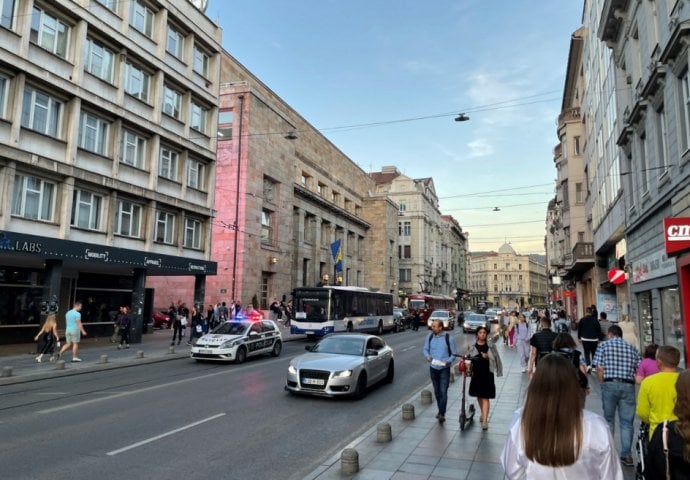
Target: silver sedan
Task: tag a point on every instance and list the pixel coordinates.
(341, 364)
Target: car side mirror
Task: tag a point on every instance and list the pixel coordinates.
(371, 352)
(253, 334)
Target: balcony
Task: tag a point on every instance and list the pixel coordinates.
(569, 115)
(583, 257)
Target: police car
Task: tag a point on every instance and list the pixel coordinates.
(235, 340)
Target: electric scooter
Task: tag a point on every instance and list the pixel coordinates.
(466, 415)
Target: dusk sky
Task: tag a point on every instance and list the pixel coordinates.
(410, 67)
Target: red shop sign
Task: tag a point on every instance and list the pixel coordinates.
(676, 234)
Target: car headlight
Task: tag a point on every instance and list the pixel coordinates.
(229, 344)
(292, 370)
(342, 374)
(466, 325)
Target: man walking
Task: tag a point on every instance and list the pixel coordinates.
(522, 338)
(541, 343)
(73, 331)
(657, 396)
(616, 363)
(439, 350)
(589, 333)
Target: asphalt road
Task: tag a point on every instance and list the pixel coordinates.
(182, 419)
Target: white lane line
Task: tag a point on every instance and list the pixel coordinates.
(412, 347)
(163, 435)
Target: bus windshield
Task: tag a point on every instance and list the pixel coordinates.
(313, 308)
(416, 304)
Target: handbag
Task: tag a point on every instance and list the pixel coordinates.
(183, 321)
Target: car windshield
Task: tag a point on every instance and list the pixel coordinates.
(231, 328)
(475, 317)
(340, 345)
(440, 313)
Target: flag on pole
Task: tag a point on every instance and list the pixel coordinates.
(337, 253)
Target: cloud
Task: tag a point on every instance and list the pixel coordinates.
(480, 147)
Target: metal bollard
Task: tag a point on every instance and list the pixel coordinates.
(6, 371)
(104, 359)
(349, 461)
(140, 354)
(383, 433)
(408, 411)
(426, 397)
(60, 365)
(171, 349)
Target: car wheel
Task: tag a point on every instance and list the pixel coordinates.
(379, 330)
(241, 355)
(391, 372)
(361, 388)
(277, 348)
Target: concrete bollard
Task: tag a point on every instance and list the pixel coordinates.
(384, 433)
(60, 365)
(408, 411)
(104, 359)
(349, 461)
(171, 349)
(426, 397)
(6, 371)
(140, 354)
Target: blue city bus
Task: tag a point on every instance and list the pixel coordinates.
(318, 311)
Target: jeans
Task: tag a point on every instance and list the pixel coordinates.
(440, 379)
(620, 396)
(590, 348)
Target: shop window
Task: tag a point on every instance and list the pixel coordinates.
(672, 323)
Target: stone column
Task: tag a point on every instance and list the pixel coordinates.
(137, 313)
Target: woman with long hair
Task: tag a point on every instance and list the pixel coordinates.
(576, 444)
(677, 439)
(485, 362)
(648, 364)
(47, 337)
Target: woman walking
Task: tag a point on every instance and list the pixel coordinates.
(176, 325)
(47, 337)
(125, 325)
(485, 362)
(197, 329)
(512, 322)
(553, 436)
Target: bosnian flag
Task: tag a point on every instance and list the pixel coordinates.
(337, 252)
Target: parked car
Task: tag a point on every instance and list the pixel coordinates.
(492, 315)
(402, 318)
(235, 341)
(445, 316)
(473, 321)
(160, 319)
(341, 364)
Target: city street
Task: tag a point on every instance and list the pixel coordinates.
(180, 419)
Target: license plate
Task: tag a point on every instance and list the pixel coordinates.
(313, 381)
(309, 333)
(205, 350)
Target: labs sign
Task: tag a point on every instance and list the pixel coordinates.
(676, 234)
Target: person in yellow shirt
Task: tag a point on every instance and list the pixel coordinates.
(657, 396)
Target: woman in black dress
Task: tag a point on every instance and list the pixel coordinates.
(485, 363)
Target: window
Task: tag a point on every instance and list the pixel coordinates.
(86, 210)
(642, 159)
(576, 141)
(404, 229)
(201, 60)
(404, 251)
(198, 117)
(93, 133)
(579, 193)
(192, 233)
(266, 227)
(137, 82)
(684, 127)
(305, 179)
(4, 85)
(141, 17)
(662, 152)
(320, 188)
(225, 125)
(109, 4)
(128, 219)
(172, 101)
(580, 237)
(33, 198)
(405, 275)
(98, 60)
(173, 44)
(132, 149)
(6, 13)
(269, 190)
(165, 227)
(49, 32)
(167, 163)
(195, 174)
(402, 206)
(41, 112)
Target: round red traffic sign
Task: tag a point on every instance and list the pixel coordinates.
(616, 276)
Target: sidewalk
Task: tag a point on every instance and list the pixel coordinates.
(421, 449)
(154, 347)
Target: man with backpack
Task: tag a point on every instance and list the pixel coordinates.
(541, 343)
(561, 324)
(589, 332)
(439, 350)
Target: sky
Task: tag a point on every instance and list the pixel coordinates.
(408, 68)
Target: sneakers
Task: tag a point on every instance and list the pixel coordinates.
(524, 369)
(119, 347)
(76, 359)
(38, 359)
(628, 461)
(589, 369)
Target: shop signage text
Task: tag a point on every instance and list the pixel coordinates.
(676, 234)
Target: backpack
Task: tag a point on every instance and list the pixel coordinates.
(562, 327)
(574, 357)
(447, 342)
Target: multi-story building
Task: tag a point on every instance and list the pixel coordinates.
(432, 248)
(507, 279)
(107, 155)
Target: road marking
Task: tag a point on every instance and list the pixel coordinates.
(411, 347)
(163, 435)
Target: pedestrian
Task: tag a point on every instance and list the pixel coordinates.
(125, 325)
(288, 313)
(47, 337)
(565, 345)
(183, 315)
(416, 320)
(115, 317)
(208, 321)
(73, 331)
(589, 333)
(523, 334)
(648, 365)
(541, 343)
(629, 331)
(668, 455)
(439, 350)
(561, 324)
(511, 328)
(505, 321)
(485, 363)
(616, 363)
(553, 436)
(176, 325)
(657, 396)
(274, 308)
(196, 329)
